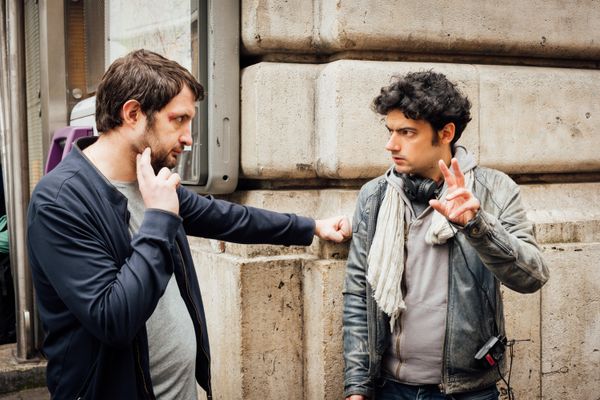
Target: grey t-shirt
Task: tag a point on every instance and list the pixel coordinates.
(171, 336)
(415, 349)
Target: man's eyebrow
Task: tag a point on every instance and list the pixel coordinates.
(403, 128)
(175, 114)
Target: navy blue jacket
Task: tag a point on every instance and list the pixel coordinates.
(96, 285)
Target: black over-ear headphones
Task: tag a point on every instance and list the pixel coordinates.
(418, 189)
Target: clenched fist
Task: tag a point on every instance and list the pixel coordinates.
(337, 229)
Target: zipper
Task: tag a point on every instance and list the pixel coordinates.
(187, 288)
(444, 383)
(372, 210)
(398, 353)
(139, 361)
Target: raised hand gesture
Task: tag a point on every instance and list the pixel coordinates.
(460, 205)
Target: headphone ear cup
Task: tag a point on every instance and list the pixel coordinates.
(418, 189)
(427, 190)
(410, 189)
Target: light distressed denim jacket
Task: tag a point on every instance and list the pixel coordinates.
(498, 246)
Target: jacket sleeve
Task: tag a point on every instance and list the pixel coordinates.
(506, 244)
(355, 324)
(72, 265)
(205, 216)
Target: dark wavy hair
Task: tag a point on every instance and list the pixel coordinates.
(429, 96)
(145, 76)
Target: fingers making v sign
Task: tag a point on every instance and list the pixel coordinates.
(460, 205)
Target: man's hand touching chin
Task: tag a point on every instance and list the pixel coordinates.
(336, 229)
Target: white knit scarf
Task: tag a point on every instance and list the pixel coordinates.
(386, 255)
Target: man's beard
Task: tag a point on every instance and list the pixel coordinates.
(159, 158)
(159, 163)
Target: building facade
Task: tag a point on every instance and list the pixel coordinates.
(309, 139)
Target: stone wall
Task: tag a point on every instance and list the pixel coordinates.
(531, 72)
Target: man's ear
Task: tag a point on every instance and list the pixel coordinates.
(446, 134)
(131, 112)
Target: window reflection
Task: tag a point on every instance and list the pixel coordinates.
(172, 29)
(162, 26)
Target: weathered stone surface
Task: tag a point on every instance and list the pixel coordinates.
(571, 323)
(278, 121)
(219, 277)
(323, 362)
(525, 120)
(539, 119)
(537, 28)
(564, 212)
(282, 25)
(351, 136)
(254, 311)
(272, 311)
(522, 313)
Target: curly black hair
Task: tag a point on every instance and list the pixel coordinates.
(426, 95)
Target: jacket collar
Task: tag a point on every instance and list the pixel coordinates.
(92, 175)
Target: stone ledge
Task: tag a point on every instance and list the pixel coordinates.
(534, 29)
(566, 212)
(16, 376)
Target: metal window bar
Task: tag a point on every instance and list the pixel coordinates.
(13, 135)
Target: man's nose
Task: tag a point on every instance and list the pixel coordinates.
(393, 143)
(186, 138)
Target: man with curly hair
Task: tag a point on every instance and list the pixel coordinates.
(434, 238)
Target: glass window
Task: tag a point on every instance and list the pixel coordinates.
(163, 26)
(187, 32)
(170, 28)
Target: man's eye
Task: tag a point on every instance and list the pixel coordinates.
(179, 120)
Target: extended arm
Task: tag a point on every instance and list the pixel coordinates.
(211, 218)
